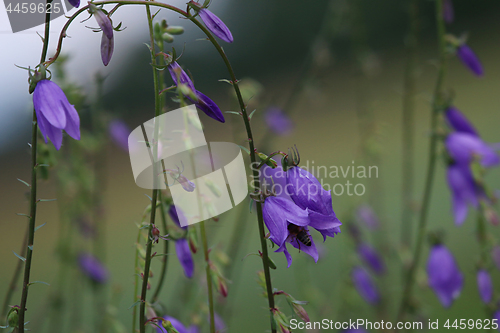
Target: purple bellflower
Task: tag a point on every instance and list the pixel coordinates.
(464, 191)
(448, 12)
(464, 148)
(278, 121)
(215, 25)
(484, 285)
(177, 325)
(469, 59)
(307, 193)
(371, 257)
(205, 104)
(54, 113)
(119, 132)
(364, 285)
(459, 122)
(182, 245)
(93, 268)
(366, 214)
(444, 275)
(288, 223)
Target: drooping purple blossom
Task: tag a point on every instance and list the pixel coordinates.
(278, 121)
(371, 258)
(448, 12)
(107, 39)
(364, 285)
(484, 285)
(459, 122)
(215, 25)
(464, 191)
(93, 268)
(444, 276)
(366, 214)
(184, 256)
(177, 325)
(203, 102)
(54, 113)
(469, 59)
(74, 3)
(464, 148)
(119, 132)
(495, 254)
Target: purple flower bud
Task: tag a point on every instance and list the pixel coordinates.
(74, 3)
(464, 191)
(495, 254)
(203, 102)
(174, 213)
(215, 25)
(444, 275)
(119, 132)
(184, 256)
(92, 268)
(469, 59)
(364, 284)
(278, 121)
(103, 21)
(464, 148)
(448, 12)
(366, 214)
(371, 257)
(484, 285)
(107, 48)
(459, 122)
(54, 113)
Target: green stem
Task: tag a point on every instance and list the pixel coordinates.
(33, 201)
(436, 109)
(147, 265)
(136, 273)
(165, 252)
(209, 276)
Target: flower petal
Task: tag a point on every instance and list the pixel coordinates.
(459, 122)
(176, 70)
(54, 134)
(215, 25)
(208, 106)
(283, 249)
(185, 257)
(46, 100)
(310, 250)
(107, 48)
(72, 120)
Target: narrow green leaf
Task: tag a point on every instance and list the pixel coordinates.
(42, 282)
(30, 247)
(46, 200)
(226, 80)
(25, 183)
(22, 214)
(251, 114)
(150, 199)
(233, 112)
(20, 257)
(245, 149)
(40, 226)
(135, 304)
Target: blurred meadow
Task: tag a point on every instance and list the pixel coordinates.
(337, 69)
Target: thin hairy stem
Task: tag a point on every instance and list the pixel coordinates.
(166, 243)
(436, 109)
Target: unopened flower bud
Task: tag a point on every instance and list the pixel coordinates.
(169, 327)
(193, 240)
(175, 30)
(167, 37)
(13, 316)
(187, 91)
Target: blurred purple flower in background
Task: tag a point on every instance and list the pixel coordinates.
(444, 275)
(356, 330)
(74, 3)
(54, 113)
(205, 104)
(464, 191)
(465, 148)
(182, 245)
(459, 122)
(495, 254)
(371, 258)
(364, 284)
(177, 325)
(92, 268)
(215, 25)
(469, 59)
(448, 12)
(119, 132)
(278, 121)
(484, 285)
(366, 214)
(496, 316)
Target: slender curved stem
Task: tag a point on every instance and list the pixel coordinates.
(436, 109)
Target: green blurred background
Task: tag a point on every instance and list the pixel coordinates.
(358, 64)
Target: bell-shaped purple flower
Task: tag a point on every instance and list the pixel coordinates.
(74, 3)
(307, 192)
(119, 132)
(484, 285)
(495, 254)
(448, 12)
(54, 113)
(464, 191)
(444, 275)
(184, 256)
(469, 59)
(203, 102)
(278, 121)
(215, 25)
(93, 268)
(178, 325)
(371, 258)
(459, 122)
(367, 215)
(364, 285)
(464, 148)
